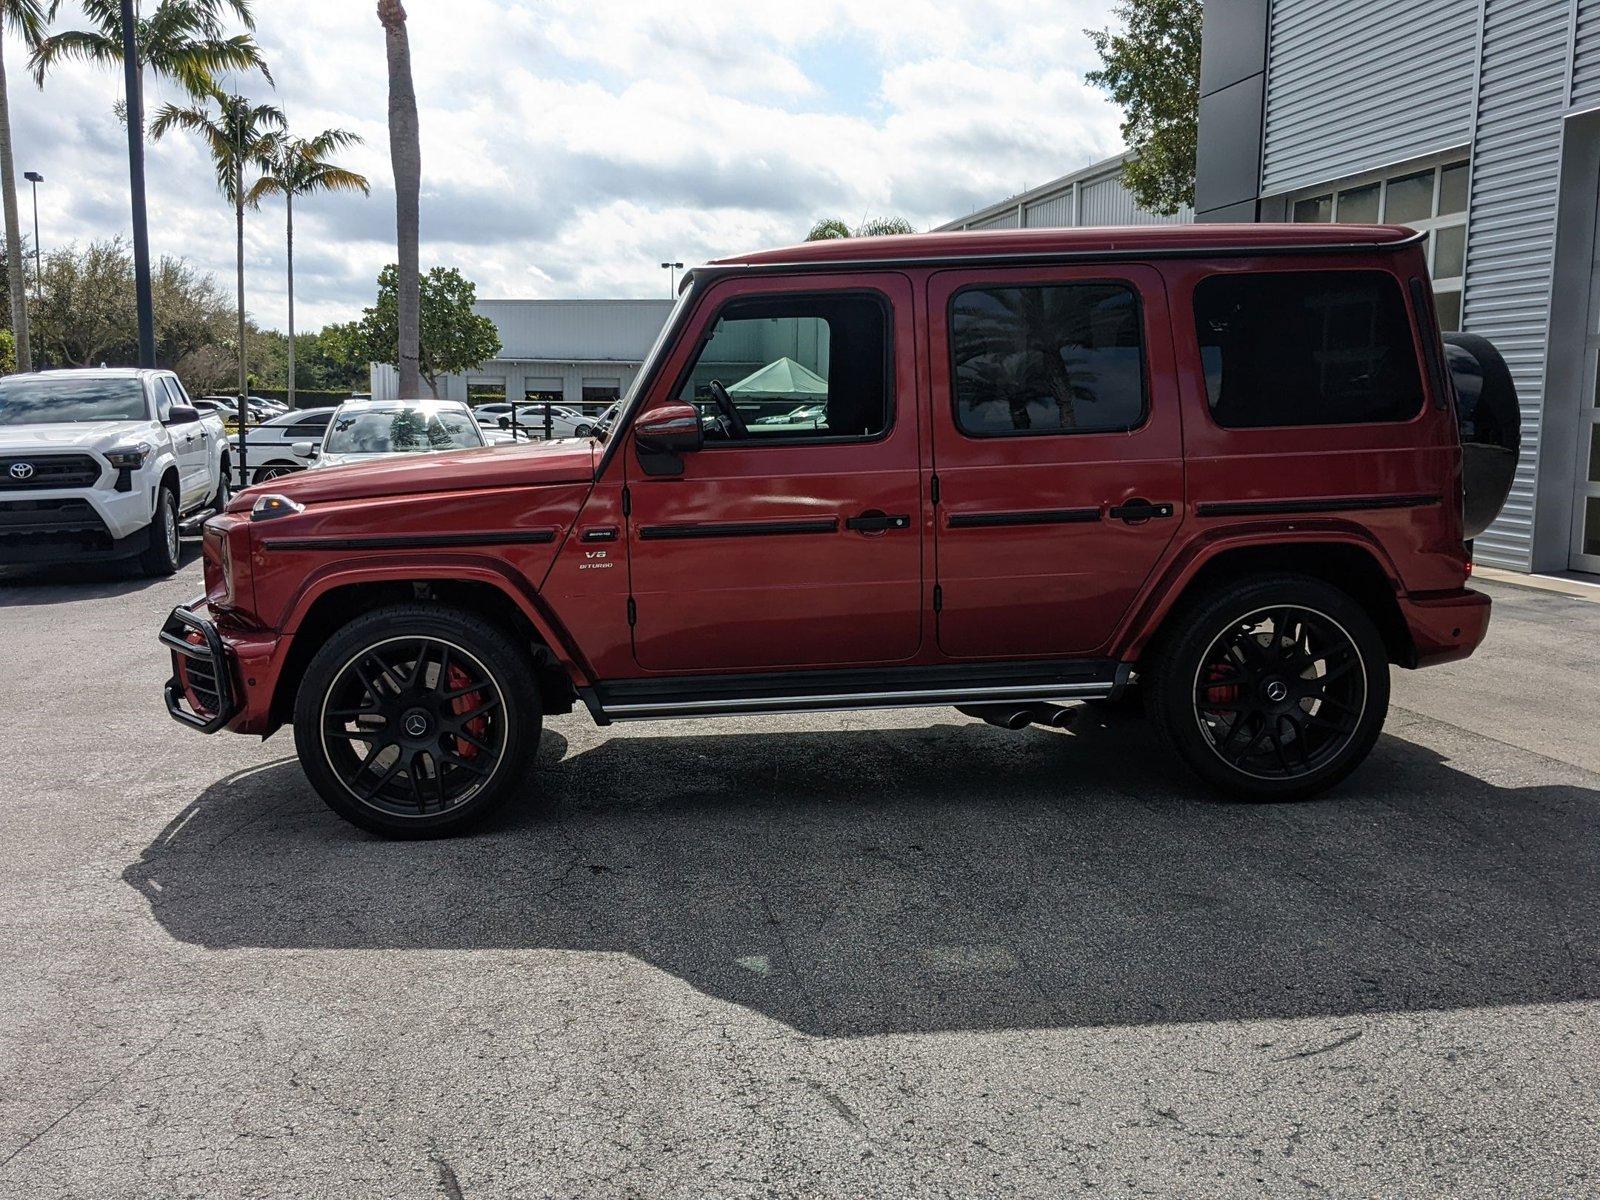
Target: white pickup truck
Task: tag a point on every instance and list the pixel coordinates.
(104, 464)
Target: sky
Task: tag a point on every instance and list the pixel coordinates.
(571, 146)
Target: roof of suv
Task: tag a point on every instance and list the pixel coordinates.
(1154, 240)
(94, 373)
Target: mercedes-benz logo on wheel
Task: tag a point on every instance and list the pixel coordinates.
(1277, 691)
(416, 724)
(21, 470)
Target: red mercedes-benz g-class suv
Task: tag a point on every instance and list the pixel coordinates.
(1219, 467)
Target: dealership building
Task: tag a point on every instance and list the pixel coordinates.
(576, 352)
(1476, 122)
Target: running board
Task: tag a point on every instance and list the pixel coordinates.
(824, 691)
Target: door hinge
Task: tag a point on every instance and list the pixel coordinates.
(633, 612)
(935, 485)
(938, 598)
(627, 502)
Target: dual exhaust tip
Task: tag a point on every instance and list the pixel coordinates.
(1020, 715)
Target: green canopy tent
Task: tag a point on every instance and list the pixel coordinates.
(782, 379)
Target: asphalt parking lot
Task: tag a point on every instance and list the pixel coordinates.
(854, 955)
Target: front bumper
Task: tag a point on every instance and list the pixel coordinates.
(200, 693)
(1445, 626)
(79, 525)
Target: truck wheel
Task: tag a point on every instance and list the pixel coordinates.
(160, 557)
(224, 491)
(1272, 688)
(417, 720)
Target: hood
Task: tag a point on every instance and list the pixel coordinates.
(76, 435)
(570, 460)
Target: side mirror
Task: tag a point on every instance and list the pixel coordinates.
(182, 414)
(304, 449)
(664, 434)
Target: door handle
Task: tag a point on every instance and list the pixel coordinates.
(873, 521)
(1138, 510)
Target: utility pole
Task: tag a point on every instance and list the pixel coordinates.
(672, 269)
(36, 179)
(132, 77)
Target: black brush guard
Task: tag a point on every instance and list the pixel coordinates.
(201, 677)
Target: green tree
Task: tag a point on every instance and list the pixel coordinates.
(1151, 68)
(240, 135)
(830, 228)
(299, 167)
(405, 152)
(26, 19)
(182, 40)
(8, 352)
(453, 337)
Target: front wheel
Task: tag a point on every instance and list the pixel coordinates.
(161, 555)
(417, 720)
(1271, 689)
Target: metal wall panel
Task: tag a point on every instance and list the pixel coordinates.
(1586, 46)
(576, 329)
(1001, 220)
(1354, 85)
(1051, 212)
(1512, 225)
(1107, 202)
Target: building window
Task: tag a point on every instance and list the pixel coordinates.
(1432, 200)
(485, 391)
(1063, 358)
(1306, 348)
(599, 394)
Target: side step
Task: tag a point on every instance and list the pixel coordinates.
(979, 684)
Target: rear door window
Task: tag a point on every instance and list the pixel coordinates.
(1055, 358)
(1308, 348)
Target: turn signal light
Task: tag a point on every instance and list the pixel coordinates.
(269, 508)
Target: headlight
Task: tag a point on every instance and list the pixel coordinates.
(269, 508)
(128, 458)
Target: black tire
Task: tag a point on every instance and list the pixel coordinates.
(1214, 680)
(224, 492)
(406, 770)
(272, 471)
(160, 556)
(583, 431)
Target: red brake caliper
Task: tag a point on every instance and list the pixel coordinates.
(1220, 693)
(461, 705)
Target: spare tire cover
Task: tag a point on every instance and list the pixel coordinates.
(1490, 420)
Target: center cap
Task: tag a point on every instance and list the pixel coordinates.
(416, 723)
(1276, 690)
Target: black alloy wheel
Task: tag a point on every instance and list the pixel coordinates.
(413, 726)
(1269, 688)
(1280, 692)
(404, 727)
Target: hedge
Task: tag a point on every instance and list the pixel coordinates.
(305, 397)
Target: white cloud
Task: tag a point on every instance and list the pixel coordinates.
(571, 145)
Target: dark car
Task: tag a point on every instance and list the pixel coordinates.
(1215, 467)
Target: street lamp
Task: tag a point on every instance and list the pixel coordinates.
(672, 277)
(36, 179)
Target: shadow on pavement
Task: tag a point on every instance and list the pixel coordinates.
(940, 878)
(46, 584)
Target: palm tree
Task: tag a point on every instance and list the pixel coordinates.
(405, 151)
(180, 39)
(298, 167)
(239, 134)
(26, 19)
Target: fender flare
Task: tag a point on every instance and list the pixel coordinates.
(455, 568)
(1164, 589)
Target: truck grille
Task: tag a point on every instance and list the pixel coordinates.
(45, 522)
(32, 472)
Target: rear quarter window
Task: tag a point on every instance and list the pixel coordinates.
(1307, 348)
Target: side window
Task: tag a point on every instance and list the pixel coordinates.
(1051, 358)
(311, 427)
(179, 395)
(1308, 348)
(796, 368)
(163, 398)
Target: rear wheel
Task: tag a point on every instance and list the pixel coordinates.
(272, 472)
(417, 721)
(1271, 689)
(160, 557)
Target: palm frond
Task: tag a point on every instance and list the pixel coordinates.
(28, 18)
(81, 45)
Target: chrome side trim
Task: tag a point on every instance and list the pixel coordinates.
(909, 699)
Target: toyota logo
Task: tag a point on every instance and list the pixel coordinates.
(1277, 691)
(22, 470)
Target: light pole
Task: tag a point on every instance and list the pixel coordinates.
(672, 270)
(132, 70)
(36, 179)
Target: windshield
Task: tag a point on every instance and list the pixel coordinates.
(58, 401)
(401, 431)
